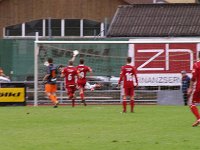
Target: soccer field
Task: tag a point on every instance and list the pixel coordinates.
(98, 128)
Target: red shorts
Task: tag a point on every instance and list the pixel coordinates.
(195, 97)
(129, 91)
(81, 85)
(50, 88)
(71, 89)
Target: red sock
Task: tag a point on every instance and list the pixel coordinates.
(82, 96)
(132, 105)
(195, 111)
(124, 105)
(73, 102)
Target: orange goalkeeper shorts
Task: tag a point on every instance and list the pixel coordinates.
(50, 88)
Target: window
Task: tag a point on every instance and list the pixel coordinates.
(15, 30)
(72, 27)
(32, 27)
(55, 25)
(91, 28)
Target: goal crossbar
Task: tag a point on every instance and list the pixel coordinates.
(132, 41)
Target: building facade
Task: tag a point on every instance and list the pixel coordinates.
(62, 18)
(24, 17)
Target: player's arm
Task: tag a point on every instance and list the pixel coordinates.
(75, 53)
(73, 58)
(76, 76)
(78, 73)
(46, 77)
(4, 79)
(136, 78)
(189, 91)
(3, 75)
(90, 71)
(47, 74)
(62, 73)
(121, 77)
(192, 81)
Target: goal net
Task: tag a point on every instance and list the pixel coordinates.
(158, 63)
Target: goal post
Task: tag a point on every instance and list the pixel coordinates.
(36, 52)
(135, 48)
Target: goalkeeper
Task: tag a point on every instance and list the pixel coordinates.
(50, 82)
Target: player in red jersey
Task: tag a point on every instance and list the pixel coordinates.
(70, 73)
(50, 82)
(127, 73)
(82, 70)
(194, 92)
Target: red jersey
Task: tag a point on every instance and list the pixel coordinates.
(127, 73)
(70, 73)
(196, 75)
(82, 70)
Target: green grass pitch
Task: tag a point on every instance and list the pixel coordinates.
(98, 128)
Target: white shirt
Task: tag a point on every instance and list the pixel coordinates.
(4, 80)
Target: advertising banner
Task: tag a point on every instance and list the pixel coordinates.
(12, 94)
(159, 79)
(161, 64)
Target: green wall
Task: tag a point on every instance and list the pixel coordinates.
(18, 56)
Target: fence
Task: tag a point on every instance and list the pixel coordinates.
(108, 93)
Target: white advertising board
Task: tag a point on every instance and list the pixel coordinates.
(170, 79)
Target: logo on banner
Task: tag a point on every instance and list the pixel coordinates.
(163, 58)
(12, 94)
(161, 64)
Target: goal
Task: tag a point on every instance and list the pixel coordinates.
(158, 61)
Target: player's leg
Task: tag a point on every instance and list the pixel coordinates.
(82, 95)
(132, 103)
(70, 95)
(81, 92)
(55, 100)
(124, 102)
(194, 97)
(48, 91)
(185, 98)
(73, 100)
(97, 85)
(195, 111)
(73, 89)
